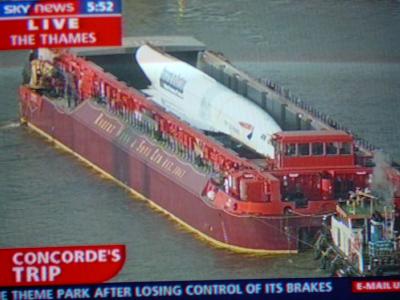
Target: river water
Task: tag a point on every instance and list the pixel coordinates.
(340, 56)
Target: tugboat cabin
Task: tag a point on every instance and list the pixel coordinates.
(362, 238)
(319, 148)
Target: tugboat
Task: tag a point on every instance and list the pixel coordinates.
(361, 239)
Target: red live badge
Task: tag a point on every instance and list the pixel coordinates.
(60, 265)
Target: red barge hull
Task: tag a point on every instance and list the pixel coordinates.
(167, 182)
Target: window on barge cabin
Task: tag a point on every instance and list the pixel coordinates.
(304, 149)
(345, 148)
(290, 149)
(332, 148)
(317, 149)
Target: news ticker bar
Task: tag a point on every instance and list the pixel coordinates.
(316, 288)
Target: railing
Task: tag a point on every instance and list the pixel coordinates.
(286, 93)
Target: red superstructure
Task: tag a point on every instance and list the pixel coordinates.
(259, 206)
(324, 149)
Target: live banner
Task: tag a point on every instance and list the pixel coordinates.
(58, 24)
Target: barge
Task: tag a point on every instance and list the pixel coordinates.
(208, 183)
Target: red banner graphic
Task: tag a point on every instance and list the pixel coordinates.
(376, 286)
(59, 32)
(60, 265)
(29, 24)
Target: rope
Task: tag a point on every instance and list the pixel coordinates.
(310, 215)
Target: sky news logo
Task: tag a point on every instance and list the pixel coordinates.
(9, 9)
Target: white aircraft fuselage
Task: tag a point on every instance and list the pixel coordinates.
(203, 102)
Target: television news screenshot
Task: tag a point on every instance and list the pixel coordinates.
(188, 149)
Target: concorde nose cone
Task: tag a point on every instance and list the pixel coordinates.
(152, 62)
(145, 54)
